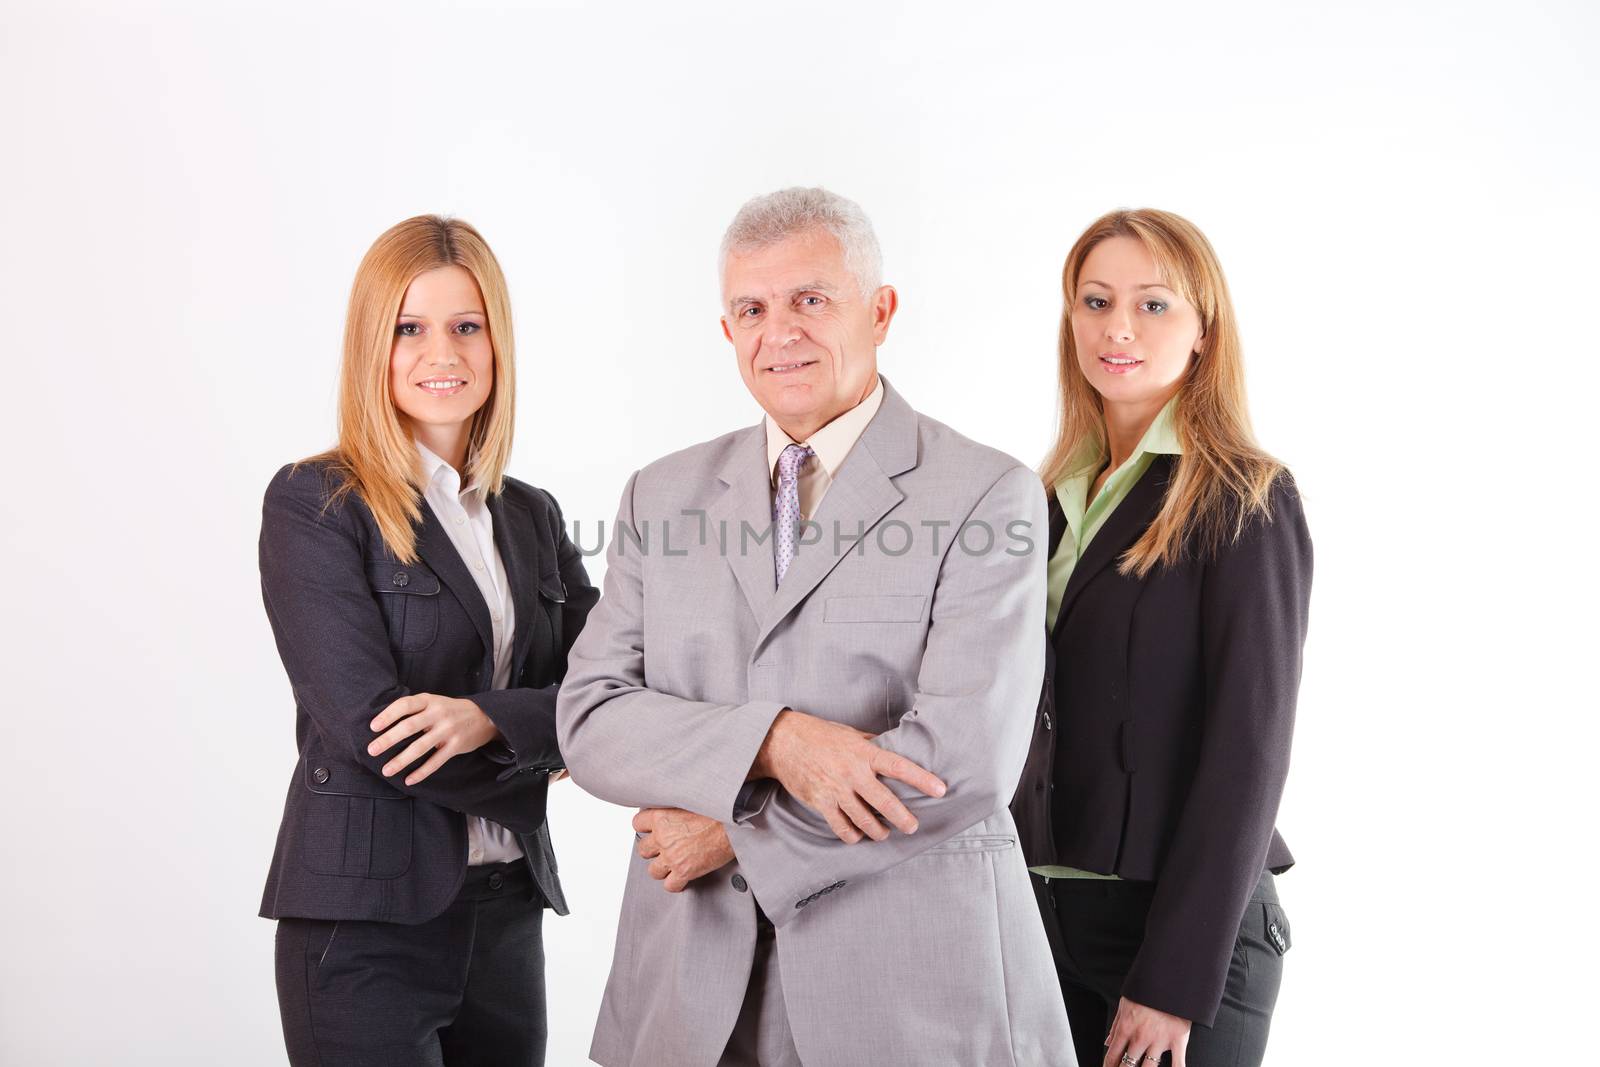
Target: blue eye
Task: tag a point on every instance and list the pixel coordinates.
(811, 300)
(408, 329)
(1155, 307)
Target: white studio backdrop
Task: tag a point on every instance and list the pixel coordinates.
(1403, 196)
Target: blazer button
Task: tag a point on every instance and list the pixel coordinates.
(320, 775)
(739, 883)
(402, 579)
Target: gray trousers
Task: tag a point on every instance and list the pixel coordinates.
(761, 1036)
(464, 989)
(1096, 928)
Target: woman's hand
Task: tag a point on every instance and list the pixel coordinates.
(1139, 1035)
(682, 845)
(447, 725)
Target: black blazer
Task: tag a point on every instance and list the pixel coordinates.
(356, 629)
(1163, 733)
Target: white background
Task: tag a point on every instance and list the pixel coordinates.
(1403, 196)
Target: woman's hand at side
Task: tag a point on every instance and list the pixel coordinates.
(1142, 1034)
(448, 726)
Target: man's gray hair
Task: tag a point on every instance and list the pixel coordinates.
(769, 219)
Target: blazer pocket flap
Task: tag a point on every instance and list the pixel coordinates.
(339, 777)
(342, 780)
(873, 609)
(387, 576)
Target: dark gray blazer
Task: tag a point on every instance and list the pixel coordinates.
(356, 629)
(1162, 740)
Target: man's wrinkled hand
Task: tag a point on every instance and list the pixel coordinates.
(681, 845)
(834, 770)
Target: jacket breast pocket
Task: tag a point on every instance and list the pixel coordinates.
(873, 609)
(409, 595)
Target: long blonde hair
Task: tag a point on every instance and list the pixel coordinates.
(1223, 478)
(375, 457)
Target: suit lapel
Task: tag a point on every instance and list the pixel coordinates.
(434, 546)
(518, 542)
(1122, 528)
(861, 494)
(1058, 524)
(747, 499)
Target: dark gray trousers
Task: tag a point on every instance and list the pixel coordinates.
(463, 989)
(1096, 928)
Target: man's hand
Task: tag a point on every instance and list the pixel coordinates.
(447, 725)
(684, 846)
(1140, 1034)
(833, 770)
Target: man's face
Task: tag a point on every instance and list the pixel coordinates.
(806, 339)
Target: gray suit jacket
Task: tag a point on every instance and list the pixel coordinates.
(924, 949)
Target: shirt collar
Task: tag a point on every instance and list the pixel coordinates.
(833, 442)
(1161, 439)
(436, 471)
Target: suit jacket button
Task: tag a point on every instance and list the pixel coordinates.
(320, 775)
(739, 883)
(402, 579)
(496, 880)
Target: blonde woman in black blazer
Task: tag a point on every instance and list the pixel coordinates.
(423, 603)
(1180, 575)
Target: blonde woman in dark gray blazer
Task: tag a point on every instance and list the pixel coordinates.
(423, 603)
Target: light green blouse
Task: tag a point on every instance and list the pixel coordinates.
(1084, 520)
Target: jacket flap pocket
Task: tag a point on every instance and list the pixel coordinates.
(873, 609)
(387, 576)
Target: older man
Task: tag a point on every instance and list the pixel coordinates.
(798, 616)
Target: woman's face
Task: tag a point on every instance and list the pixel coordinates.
(1134, 335)
(442, 365)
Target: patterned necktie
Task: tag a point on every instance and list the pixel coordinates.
(786, 508)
